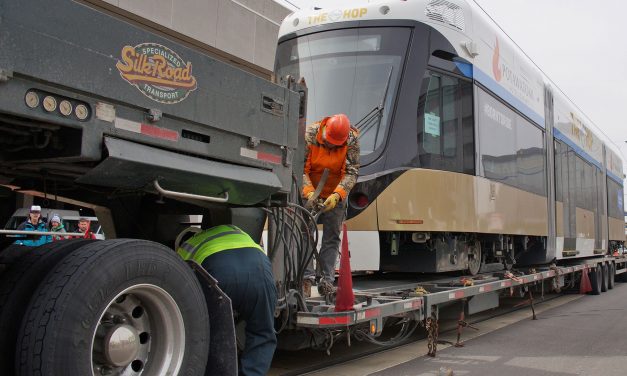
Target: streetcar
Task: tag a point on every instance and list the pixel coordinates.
(471, 158)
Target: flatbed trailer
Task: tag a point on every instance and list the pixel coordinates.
(421, 301)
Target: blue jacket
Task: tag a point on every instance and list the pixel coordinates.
(33, 241)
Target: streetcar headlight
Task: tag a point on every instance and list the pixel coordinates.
(358, 200)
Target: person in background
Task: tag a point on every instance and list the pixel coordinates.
(83, 226)
(334, 145)
(56, 225)
(34, 223)
(245, 275)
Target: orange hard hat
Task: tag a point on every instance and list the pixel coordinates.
(336, 129)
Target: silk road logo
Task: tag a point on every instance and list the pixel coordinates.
(157, 71)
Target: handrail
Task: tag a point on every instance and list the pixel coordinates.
(40, 233)
(168, 193)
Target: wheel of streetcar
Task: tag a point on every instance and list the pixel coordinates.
(606, 276)
(611, 275)
(17, 286)
(121, 307)
(596, 276)
(509, 260)
(474, 257)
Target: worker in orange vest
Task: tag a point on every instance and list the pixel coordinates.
(334, 145)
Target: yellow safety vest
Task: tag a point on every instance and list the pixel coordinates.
(214, 240)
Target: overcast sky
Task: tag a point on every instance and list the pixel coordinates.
(580, 44)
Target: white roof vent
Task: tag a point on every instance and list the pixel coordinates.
(446, 12)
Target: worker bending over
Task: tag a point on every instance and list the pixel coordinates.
(331, 144)
(244, 274)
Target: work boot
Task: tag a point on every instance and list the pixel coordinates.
(325, 287)
(307, 283)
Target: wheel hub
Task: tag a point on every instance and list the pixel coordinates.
(121, 345)
(141, 329)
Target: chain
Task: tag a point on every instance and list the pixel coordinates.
(428, 327)
(432, 327)
(436, 331)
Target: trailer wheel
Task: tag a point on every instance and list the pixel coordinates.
(612, 275)
(116, 307)
(606, 277)
(10, 255)
(596, 276)
(619, 277)
(474, 257)
(17, 286)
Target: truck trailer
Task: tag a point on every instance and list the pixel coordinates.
(102, 111)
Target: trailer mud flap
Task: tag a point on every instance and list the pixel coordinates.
(222, 345)
(130, 165)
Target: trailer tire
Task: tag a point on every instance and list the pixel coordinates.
(10, 255)
(17, 286)
(596, 275)
(605, 276)
(116, 306)
(612, 275)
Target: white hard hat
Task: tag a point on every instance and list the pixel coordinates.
(35, 208)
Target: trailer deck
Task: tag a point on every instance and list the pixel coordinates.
(421, 299)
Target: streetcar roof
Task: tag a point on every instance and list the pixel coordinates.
(497, 62)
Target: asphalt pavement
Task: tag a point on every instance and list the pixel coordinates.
(586, 336)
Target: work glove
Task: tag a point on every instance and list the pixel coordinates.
(331, 202)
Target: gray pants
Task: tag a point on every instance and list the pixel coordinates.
(331, 222)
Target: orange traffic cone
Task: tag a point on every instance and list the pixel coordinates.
(585, 286)
(344, 298)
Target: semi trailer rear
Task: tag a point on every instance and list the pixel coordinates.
(147, 129)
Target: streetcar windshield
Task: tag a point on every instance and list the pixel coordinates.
(351, 71)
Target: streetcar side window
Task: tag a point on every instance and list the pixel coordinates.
(586, 185)
(615, 199)
(511, 147)
(445, 124)
(450, 115)
(432, 128)
(559, 171)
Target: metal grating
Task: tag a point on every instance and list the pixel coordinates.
(446, 12)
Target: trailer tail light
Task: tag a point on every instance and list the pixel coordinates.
(65, 108)
(57, 105)
(81, 112)
(358, 200)
(50, 103)
(31, 99)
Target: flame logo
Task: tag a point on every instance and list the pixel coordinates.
(496, 70)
